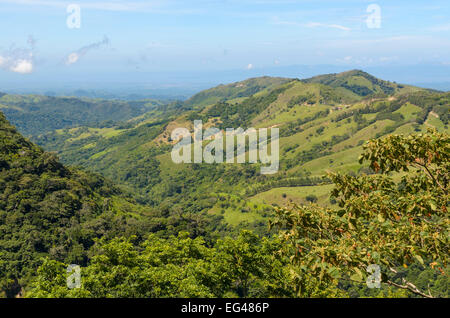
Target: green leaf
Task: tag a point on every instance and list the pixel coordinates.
(359, 274)
(356, 278)
(419, 258)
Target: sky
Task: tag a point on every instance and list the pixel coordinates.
(168, 41)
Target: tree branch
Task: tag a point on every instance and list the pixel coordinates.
(411, 287)
(425, 168)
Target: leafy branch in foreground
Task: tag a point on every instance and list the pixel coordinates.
(381, 220)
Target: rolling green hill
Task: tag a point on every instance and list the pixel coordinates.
(236, 91)
(361, 83)
(323, 123)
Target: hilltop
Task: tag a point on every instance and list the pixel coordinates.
(236, 91)
(361, 83)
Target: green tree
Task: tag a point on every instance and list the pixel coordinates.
(175, 267)
(380, 221)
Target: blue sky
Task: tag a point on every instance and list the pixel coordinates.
(122, 37)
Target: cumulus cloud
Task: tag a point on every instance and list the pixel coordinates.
(74, 57)
(19, 60)
(22, 67)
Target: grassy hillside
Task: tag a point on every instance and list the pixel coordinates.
(323, 124)
(361, 83)
(234, 91)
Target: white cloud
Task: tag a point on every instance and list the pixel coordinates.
(72, 58)
(22, 67)
(154, 44)
(19, 60)
(365, 61)
(333, 26)
(277, 21)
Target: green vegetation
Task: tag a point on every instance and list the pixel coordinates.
(361, 83)
(234, 91)
(318, 133)
(317, 252)
(175, 267)
(379, 221)
(47, 209)
(71, 215)
(35, 115)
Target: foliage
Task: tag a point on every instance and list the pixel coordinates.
(48, 209)
(174, 267)
(35, 115)
(380, 221)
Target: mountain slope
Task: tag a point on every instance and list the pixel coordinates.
(34, 114)
(321, 127)
(237, 90)
(50, 210)
(47, 209)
